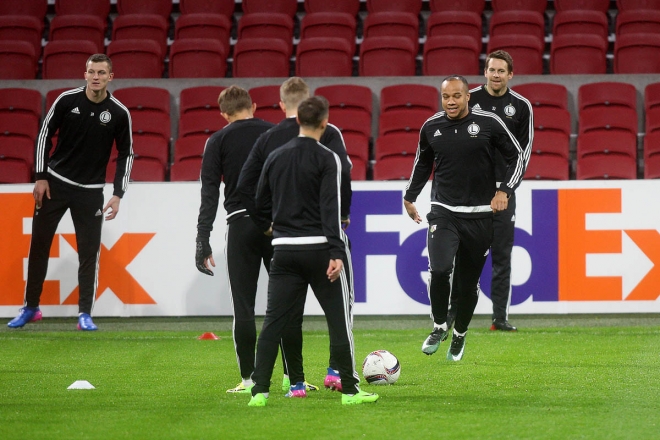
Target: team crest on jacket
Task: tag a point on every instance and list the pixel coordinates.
(509, 110)
(473, 129)
(105, 116)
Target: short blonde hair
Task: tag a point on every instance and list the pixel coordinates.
(294, 91)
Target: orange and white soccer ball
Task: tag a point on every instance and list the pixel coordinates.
(381, 367)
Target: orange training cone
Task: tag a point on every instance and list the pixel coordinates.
(208, 336)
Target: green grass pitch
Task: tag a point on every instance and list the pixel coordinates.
(559, 377)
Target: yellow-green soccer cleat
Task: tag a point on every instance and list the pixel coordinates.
(240, 389)
(360, 397)
(310, 387)
(258, 400)
(286, 383)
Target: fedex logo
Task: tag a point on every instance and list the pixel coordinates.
(573, 257)
(14, 249)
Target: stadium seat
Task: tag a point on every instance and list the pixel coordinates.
(201, 99)
(53, 94)
(324, 56)
(584, 5)
(267, 99)
(151, 126)
(573, 54)
(19, 125)
(519, 5)
(652, 120)
(14, 100)
(454, 23)
(608, 119)
(222, 7)
(357, 145)
(261, 58)
(394, 168)
(392, 24)
(402, 121)
(607, 94)
(152, 148)
(215, 26)
(580, 22)
(638, 22)
(14, 171)
(78, 27)
(287, 7)
(350, 7)
(652, 167)
(186, 170)
(267, 26)
(352, 121)
(22, 28)
(552, 119)
(17, 148)
(66, 59)
(457, 5)
(197, 58)
(33, 8)
(141, 27)
(147, 169)
(652, 96)
(189, 147)
(448, 55)
(652, 155)
(387, 56)
(136, 58)
(202, 124)
(514, 22)
(359, 168)
(409, 96)
(637, 53)
(347, 97)
(157, 7)
(17, 60)
(629, 5)
(551, 142)
(97, 8)
(547, 167)
(544, 94)
(617, 143)
(527, 50)
(396, 144)
(606, 167)
(413, 6)
(144, 99)
(329, 24)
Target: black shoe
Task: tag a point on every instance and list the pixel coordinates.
(503, 325)
(456, 349)
(451, 317)
(433, 341)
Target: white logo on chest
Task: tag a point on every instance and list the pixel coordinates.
(105, 116)
(473, 129)
(509, 110)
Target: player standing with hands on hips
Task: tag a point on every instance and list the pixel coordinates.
(460, 143)
(516, 113)
(89, 120)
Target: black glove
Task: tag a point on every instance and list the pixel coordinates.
(202, 252)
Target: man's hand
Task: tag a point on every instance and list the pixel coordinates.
(412, 211)
(204, 256)
(269, 232)
(41, 187)
(113, 207)
(345, 222)
(334, 269)
(500, 201)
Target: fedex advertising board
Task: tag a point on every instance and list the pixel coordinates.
(580, 247)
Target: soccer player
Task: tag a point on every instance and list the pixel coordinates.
(459, 143)
(247, 247)
(292, 92)
(516, 112)
(299, 192)
(89, 120)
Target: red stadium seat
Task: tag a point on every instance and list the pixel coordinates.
(551, 142)
(20, 101)
(357, 145)
(144, 99)
(359, 169)
(352, 121)
(17, 148)
(222, 7)
(146, 169)
(392, 24)
(287, 7)
(33, 8)
(17, 60)
(157, 7)
(189, 147)
(552, 119)
(454, 23)
(151, 126)
(457, 5)
(350, 7)
(544, 94)
(186, 170)
(14, 171)
(394, 168)
(573, 54)
(19, 125)
(618, 143)
(136, 58)
(203, 124)
(652, 96)
(261, 58)
(141, 27)
(396, 144)
(267, 26)
(413, 6)
(78, 27)
(608, 119)
(321, 56)
(519, 5)
(638, 22)
(547, 167)
(527, 50)
(629, 5)
(97, 8)
(514, 22)
(329, 24)
(652, 167)
(151, 148)
(637, 53)
(215, 26)
(607, 94)
(347, 97)
(67, 59)
(197, 58)
(402, 121)
(387, 56)
(584, 5)
(408, 97)
(606, 167)
(652, 155)
(448, 55)
(22, 28)
(580, 22)
(267, 99)
(52, 95)
(195, 100)
(653, 120)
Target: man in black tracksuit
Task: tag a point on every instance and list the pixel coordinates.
(299, 192)
(292, 92)
(460, 143)
(516, 112)
(89, 120)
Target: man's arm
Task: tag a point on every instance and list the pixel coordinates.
(248, 182)
(333, 139)
(330, 207)
(211, 176)
(51, 124)
(263, 200)
(423, 166)
(513, 155)
(525, 134)
(124, 143)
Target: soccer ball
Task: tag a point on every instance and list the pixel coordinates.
(381, 367)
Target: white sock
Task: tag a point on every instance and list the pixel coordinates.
(460, 334)
(247, 382)
(442, 326)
